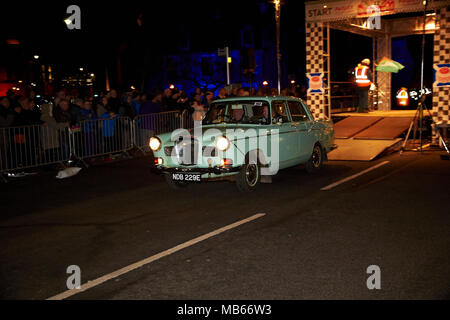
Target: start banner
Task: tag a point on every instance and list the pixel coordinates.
(345, 9)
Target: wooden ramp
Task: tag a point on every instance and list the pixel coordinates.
(385, 129)
(360, 150)
(351, 126)
(384, 114)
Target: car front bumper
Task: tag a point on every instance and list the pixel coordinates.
(216, 170)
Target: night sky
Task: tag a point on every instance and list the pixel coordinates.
(109, 28)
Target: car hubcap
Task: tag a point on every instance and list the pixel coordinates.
(316, 157)
(251, 174)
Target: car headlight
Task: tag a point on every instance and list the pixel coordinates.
(222, 143)
(155, 143)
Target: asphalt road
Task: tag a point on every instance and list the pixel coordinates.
(310, 244)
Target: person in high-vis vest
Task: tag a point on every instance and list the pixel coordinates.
(363, 80)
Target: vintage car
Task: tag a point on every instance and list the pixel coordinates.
(245, 139)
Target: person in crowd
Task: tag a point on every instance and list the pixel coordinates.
(108, 125)
(169, 98)
(199, 91)
(52, 133)
(197, 98)
(199, 111)
(25, 139)
(62, 114)
(126, 108)
(114, 101)
(183, 102)
(89, 128)
(10, 94)
(6, 114)
(102, 106)
(75, 108)
(24, 113)
(61, 94)
(137, 103)
(285, 92)
(222, 93)
(242, 92)
(209, 97)
(152, 106)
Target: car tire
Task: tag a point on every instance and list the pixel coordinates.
(248, 177)
(175, 185)
(315, 163)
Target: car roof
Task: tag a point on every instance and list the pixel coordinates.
(267, 98)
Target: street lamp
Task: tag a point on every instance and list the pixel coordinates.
(36, 57)
(277, 21)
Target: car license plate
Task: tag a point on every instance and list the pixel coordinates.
(186, 177)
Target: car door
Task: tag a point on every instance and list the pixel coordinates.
(287, 140)
(304, 135)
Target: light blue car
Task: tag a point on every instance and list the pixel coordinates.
(246, 140)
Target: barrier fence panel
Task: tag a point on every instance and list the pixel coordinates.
(33, 146)
(38, 145)
(92, 138)
(156, 123)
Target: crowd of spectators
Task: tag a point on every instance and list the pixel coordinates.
(22, 110)
(40, 125)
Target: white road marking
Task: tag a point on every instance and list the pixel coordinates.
(335, 184)
(131, 267)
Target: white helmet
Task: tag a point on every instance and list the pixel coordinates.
(366, 62)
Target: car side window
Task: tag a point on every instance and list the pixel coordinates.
(298, 112)
(279, 112)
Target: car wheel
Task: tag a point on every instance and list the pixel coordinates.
(248, 177)
(175, 185)
(315, 162)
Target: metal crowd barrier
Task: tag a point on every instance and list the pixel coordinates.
(155, 123)
(93, 138)
(33, 146)
(38, 145)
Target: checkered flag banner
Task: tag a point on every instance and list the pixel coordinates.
(314, 64)
(441, 95)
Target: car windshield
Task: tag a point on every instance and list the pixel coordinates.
(246, 111)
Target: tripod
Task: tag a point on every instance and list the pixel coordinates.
(418, 117)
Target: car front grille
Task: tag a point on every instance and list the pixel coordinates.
(186, 152)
